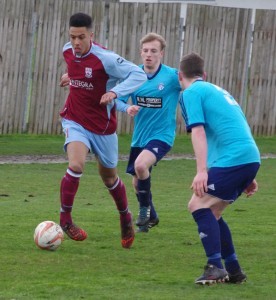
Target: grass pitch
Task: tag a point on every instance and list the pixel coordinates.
(161, 264)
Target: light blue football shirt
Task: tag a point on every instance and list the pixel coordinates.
(158, 98)
(229, 138)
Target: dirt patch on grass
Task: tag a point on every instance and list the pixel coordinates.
(57, 159)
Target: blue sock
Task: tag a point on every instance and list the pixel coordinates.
(227, 248)
(209, 234)
(153, 213)
(137, 196)
(143, 187)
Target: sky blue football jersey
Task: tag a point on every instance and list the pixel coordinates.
(158, 98)
(229, 138)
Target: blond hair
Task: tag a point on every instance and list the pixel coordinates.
(152, 36)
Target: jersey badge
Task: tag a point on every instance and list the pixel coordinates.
(161, 86)
(120, 60)
(88, 72)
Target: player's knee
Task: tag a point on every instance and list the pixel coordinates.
(77, 167)
(109, 181)
(140, 167)
(194, 204)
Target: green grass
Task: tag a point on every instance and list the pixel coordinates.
(22, 144)
(161, 265)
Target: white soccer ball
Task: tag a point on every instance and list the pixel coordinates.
(48, 235)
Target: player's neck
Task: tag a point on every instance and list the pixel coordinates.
(85, 52)
(189, 81)
(151, 71)
(193, 80)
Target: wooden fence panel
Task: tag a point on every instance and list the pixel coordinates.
(52, 33)
(129, 23)
(15, 46)
(221, 36)
(261, 110)
(33, 33)
(124, 32)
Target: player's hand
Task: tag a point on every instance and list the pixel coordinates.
(199, 185)
(107, 98)
(251, 189)
(133, 110)
(64, 80)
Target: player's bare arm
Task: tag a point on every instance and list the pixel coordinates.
(199, 184)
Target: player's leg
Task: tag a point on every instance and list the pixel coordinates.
(153, 152)
(227, 184)
(77, 148)
(115, 186)
(154, 220)
(117, 190)
(236, 275)
(227, 247)
(209, 233)
(243, 177)
(134, 153)
(106, 151)
(77, 152)
(153, 214)
(142, 165)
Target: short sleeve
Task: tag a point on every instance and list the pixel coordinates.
(192, 110)
(175, 79)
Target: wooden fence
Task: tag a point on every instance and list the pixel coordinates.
(222, 36)
(261, 102)
(33, 32)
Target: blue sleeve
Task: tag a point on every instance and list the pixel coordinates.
(131, 76)
(192, 111)
(67, 46)
(175, 76)
(121, 104)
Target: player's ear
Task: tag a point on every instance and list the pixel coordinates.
(181, 79)
(91, 36)
(180, 76)
(204, 77)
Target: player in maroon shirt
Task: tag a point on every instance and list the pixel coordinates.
(97, 76)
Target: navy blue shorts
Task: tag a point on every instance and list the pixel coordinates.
(158, 148)
(229, 183)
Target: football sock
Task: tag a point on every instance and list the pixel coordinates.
(68, 189)
(118, 193)
(144, 192)
(227, 248)
(153, 213)
(137, 196)
(209, 234)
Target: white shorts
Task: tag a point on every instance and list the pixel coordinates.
(105, 147)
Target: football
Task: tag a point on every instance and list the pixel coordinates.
(48, 235)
